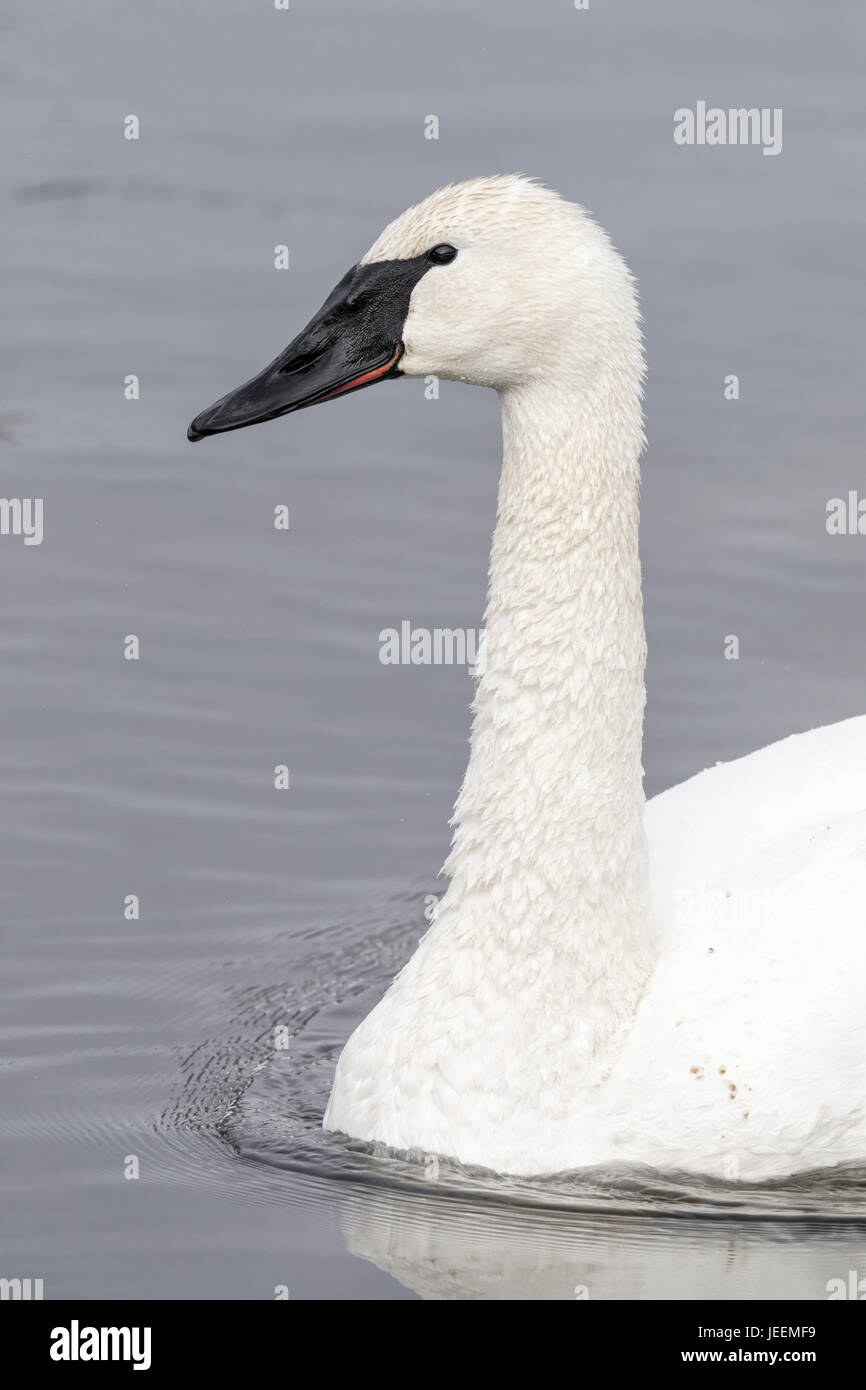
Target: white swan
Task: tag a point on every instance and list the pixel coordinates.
(569, 1005)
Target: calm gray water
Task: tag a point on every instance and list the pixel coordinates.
(152, 1039)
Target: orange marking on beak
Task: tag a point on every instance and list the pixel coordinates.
(366, 377)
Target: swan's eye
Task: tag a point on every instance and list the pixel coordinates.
(442, 254)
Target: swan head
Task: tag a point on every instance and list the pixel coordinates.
(495, 282)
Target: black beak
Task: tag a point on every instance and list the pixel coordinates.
(353, 341)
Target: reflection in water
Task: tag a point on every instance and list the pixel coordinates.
(448, 1249)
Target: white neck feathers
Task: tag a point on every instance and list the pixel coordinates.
(548, 860)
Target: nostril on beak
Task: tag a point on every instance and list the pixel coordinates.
(305, 354)
(359, 295)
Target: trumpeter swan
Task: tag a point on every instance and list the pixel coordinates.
(577, 999)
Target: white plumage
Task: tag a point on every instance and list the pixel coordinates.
(578, 1001)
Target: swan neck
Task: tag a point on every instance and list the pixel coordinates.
(549, 850)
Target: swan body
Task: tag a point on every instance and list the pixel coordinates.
(679, 984)
(746, 1056)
